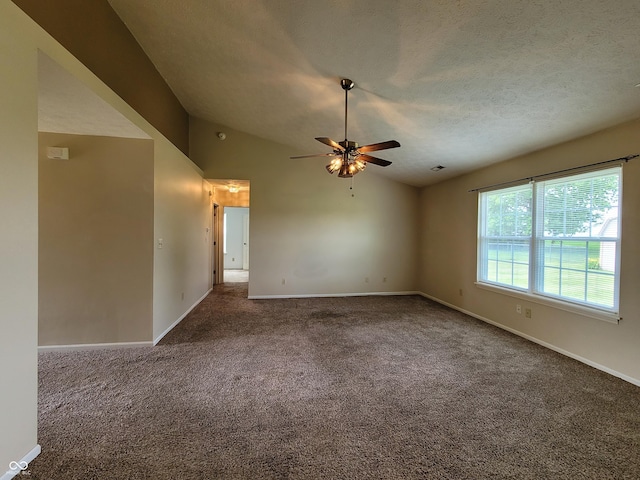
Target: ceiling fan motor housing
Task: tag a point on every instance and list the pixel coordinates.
(348, 145)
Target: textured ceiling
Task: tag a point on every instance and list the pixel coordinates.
(458, 83)
(66, 105)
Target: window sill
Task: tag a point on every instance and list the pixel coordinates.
(560, 305)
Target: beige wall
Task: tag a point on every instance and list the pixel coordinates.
(183, 220)
(19, 239)
(94, 33)
(306, 228)
(448, 230)
(95, 240)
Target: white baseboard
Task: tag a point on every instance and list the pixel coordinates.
(326, 295)
(26, 460)
(550, 346)
(92, 346)
(182, 317)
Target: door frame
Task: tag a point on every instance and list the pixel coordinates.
(217, 257)
(245, 241)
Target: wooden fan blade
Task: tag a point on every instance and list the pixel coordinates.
(378, 146)
(374, 160)
(331, 143)
(315, 155)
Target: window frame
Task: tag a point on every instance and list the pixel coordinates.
(534, 292)
(482, 246)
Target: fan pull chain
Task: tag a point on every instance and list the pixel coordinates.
(351, 187)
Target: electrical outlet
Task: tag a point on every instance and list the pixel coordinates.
(384, 279)
(527, 312)
(518, 308)
(284, 281)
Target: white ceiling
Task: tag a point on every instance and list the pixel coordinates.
(66, 105)
(459, 83)
(225, 184)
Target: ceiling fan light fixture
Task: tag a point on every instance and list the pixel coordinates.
(233, 188)
(334, 165)
(345, 171)
(360, 165)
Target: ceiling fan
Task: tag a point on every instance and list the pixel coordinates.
(348, 157)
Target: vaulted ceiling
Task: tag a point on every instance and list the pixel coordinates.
(459, 83)
(66, 105)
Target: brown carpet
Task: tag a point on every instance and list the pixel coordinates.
(333, 388)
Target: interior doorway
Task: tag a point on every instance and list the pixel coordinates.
(231, 238)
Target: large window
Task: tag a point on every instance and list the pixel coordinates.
(557, 238)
